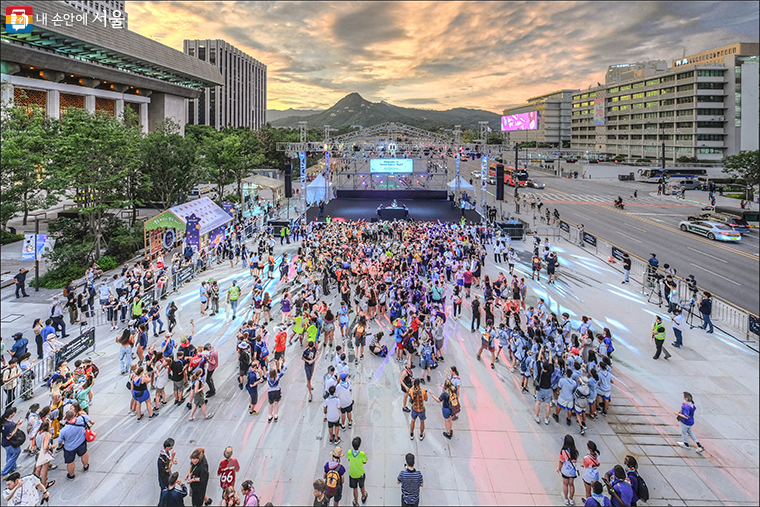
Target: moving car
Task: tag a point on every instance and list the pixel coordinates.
(534, 183)
(735, 223)
(712, 230)
(492, 180)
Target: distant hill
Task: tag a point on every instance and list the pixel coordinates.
(353, 109)
(276, 114)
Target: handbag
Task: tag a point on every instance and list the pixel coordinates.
(17, 439)
(89, 434)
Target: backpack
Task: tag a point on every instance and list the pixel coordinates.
(332, 481)
(263, 350)
(642, 490)
(418, 399)
(93, 370)
(454, 402)
(610, 348)
(383, 351)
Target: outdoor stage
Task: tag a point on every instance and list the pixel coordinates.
(366, 209)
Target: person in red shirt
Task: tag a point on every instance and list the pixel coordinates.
(280, 344)
(228, 467)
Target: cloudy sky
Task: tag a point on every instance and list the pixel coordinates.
(439, 55)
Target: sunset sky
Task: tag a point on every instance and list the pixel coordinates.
(439, 55)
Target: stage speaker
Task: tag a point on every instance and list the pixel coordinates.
(499, 182)
(288, 180)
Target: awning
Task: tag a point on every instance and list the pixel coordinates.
(463, 184)
(211, 215)
(263, 182)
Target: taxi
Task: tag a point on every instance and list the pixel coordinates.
(711, 230)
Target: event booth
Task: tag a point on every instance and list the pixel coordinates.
(198, 223)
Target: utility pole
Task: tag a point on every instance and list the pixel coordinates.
(36, 256)
(663, 157)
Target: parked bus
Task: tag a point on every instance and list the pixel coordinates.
(512, 177)
(655, 174)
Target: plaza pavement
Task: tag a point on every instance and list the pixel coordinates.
(498, 454)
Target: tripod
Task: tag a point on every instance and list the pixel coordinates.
(655, 293)
(691, 314)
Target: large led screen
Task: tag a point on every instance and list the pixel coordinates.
(390, 165)
(522, 121)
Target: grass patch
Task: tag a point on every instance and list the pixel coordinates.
(6, 237)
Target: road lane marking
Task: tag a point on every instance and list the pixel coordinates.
(629, 237)
(637, 228)
(708, 255)
(716, 274)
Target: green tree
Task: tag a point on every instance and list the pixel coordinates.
(221, 156)
(745, 167)
(169, 161)
(252, 157)
(28, 181)
(98, 153)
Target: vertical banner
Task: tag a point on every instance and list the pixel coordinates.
(155, 241)
(302, 158)
(327, 176)
(484, 180)
(228, 207)
(599, 112)
(33, 245)
(216, 236)
(169, 237)
(193, 231)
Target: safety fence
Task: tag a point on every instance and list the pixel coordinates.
(728, 317)
(40, 370)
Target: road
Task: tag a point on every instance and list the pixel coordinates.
(650, 224)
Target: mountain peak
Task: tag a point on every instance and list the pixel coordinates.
(351, 99)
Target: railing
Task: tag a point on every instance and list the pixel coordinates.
(728, 317)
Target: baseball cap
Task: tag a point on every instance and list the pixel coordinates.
(574, 350)
(243, 345)
(343, 376)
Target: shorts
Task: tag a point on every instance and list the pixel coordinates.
(329, 326)
(360, 342)
(309, 369)
(467, 285)
(331, 424)
(565, 404)
(278, 355)
(348, 409)
(425, 364)
(338, 494)
(604, 394)
(446, 413)
(544, 396)
(550, 270)
(439, 344)
(418, 415)
(275, 396)
(356, 483)
(178, 385)
(69, 456)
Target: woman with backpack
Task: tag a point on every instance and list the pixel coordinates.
(446, 406)
(590, 473)
(141, 394)
(568, 457)
(197, 387)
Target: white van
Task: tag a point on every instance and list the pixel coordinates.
(686, 183)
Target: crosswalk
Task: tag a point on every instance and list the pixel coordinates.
(551, 197)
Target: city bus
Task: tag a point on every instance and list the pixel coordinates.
(512, 177)
(655, 174)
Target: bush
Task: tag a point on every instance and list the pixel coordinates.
(6, 237)
(108, 263)
(58, 278)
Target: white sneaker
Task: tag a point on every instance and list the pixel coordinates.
(546, 420)
(538, 420)
(683, 444)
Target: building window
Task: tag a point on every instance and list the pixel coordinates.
(191, 51)
(666, 114)
(709, 98)
(709, 86)
(684, 125)
(639, 95)
(652, 82)
(638, 85)
(665, 91)
(107, 106)
(684, 137)
(710, 112)
(710, 124)
(710, 137)
(685, 88)
(624, 88)
(685, 112)
(640, 105)
(711, 151)
(68, 100)
(651, 104)
(665, 79)
(202, 53)
(685, 75)
(684, 100)
(650, 115)
(668, 102)
(625, 97)
(615, 99)
(614, 90)
(29, 98)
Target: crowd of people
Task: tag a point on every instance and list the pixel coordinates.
(396, 286)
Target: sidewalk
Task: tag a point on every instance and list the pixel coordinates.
(498, 455)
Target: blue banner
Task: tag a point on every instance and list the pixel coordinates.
(32, 248)
(217, 235)
(193, 231)
(302, 157)
(228, 207)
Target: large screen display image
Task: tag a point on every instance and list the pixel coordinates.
(521, 121)
(390, 165)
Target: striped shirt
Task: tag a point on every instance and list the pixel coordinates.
(411, 481)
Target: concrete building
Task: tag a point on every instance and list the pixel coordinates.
(702, 109)
(241, 101)
(100, 8)
(97, 66)
(553, 118)
(626, 71)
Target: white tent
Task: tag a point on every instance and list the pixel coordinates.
(316, 190)
(463, 184)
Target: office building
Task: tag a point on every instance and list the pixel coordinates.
(704, 107)
(101, 68)
(553, 115)
(241, 101)
(100, 8)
